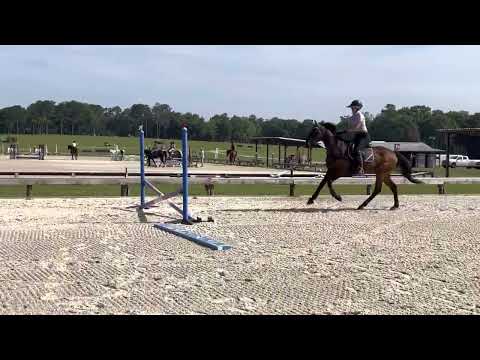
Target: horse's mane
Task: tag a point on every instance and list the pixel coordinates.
(329, 126)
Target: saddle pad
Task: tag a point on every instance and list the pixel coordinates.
(368, 155)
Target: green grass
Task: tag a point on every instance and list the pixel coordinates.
(131, 145)
(74, 191)
(457, 172)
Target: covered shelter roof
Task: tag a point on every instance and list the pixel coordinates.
(403, 146)
(457, 131)
(461, 131)
(278, 140)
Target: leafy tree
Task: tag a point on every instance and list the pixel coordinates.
(415, 123)
(13, 119)
(39, 115)
(162, 115)
(111, 118)
(140, 114)
(223, 129)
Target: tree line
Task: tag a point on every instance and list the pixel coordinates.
(415, 123)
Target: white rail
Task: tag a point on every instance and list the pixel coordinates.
(209, 182)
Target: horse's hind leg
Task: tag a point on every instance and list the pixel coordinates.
(388, 181)
(376, 191)
(332, 191)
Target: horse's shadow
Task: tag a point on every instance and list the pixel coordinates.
(304, 210)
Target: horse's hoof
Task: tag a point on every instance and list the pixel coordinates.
(338, 198)
(310, 201)
(360, 207)
(394, 207)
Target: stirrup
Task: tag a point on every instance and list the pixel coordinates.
(359, 171)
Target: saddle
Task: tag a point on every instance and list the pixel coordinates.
(367, 154)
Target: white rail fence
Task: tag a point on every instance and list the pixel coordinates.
(209, 181)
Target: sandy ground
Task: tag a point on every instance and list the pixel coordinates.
(94, 256)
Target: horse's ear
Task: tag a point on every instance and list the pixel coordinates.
(315, 122)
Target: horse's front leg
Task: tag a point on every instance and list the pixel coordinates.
(319, 188)
(376, 191)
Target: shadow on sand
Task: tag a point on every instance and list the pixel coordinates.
(142, 217)
(305, 210)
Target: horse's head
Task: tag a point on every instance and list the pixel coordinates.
(320, 132)
(330, 127)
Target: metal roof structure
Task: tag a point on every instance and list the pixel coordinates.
(461, 131)
(414, 147)
(457, 131)
(277, 140)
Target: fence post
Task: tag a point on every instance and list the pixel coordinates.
(369, 189)
(441, 189)
(124, 190)
(29, 192)
(185, 156)
(142, 168)
(292, 184)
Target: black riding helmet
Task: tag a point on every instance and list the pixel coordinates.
(355, 103)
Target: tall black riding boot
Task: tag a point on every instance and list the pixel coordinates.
(358, 164)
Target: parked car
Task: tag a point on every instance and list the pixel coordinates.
(462, 161)
(474, 164)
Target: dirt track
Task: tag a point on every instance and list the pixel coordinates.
(93, 256)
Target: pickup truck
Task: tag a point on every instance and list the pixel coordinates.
(462, 161)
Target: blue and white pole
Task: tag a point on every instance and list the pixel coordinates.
(142, 168)
(186, 219)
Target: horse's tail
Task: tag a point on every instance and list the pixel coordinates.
(406, 168)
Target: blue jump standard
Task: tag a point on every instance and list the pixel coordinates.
(189, 235)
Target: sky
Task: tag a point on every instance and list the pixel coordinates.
(301, 82)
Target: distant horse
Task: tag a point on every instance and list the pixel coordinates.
(231, 156)
(161, 154)
(174, 154)
(380, 160)
(151, 155)
(73, 151)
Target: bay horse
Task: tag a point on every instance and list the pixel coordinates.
(151, 155)
(339, 164)
(231, 156)
(161, 154)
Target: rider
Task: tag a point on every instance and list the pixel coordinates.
(361, 139)
(171, 148)
(74, 151)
